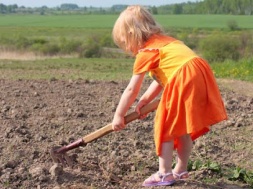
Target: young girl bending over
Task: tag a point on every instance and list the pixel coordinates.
(190, 101)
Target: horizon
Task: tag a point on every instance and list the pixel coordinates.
(93, 3)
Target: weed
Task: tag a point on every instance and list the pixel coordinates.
(242, 69)
(232, 173)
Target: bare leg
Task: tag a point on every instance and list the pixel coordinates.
(165, 159)
(165, 167)
(184, 151)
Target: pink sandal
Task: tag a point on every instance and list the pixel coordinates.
(181, 176)
(151, 181)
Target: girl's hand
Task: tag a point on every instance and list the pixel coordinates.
(118, 123)
(138, 107)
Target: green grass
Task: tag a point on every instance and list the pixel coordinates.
(103, 69)
(76, 27)
(67, 68)
(68, 21)
(107, 21)
(81, 27)
(204, 21)
(50, 33)
(241, 70)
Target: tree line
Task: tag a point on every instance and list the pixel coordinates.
(232, 7)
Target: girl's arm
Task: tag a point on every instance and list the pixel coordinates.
(126, 100)
(153, 90)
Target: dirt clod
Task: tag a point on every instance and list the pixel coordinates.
(56, 170)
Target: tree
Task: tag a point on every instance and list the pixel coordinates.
(69, 6)
(154, 10)
(3, 8)
(213, 6)
(12, 8)
(177, 9)
(249, 7)
(190, 8)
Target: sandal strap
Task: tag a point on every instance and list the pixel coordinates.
(153, 178)
(163, 176)
(180, 175)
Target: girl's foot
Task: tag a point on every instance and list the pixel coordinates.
(159, 179)
(181, 176)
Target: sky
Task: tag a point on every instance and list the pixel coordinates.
(87, 3)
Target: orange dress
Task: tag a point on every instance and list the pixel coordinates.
(191, 100)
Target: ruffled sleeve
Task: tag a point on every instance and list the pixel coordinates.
(146, 60)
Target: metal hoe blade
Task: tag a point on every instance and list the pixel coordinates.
(59, 154)
(61, 157)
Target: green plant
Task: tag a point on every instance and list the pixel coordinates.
(189, 38)
(197, 165)
(91, 51)
(246, 44)
(238, 174)
(106, 41)
(242, 175)
(50, 49)
(232, 25)
(69, 46)
(92, 48)
(234, 173)
(39, 41)
(194, 165)
(220, 48)
(23, 42)
(213, 166)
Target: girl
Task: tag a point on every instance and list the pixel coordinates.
(190, 101)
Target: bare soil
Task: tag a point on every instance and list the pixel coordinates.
(36, 115)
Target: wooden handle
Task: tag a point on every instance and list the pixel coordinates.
(128, 118)
(144, 110)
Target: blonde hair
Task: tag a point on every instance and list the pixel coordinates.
(133, 28)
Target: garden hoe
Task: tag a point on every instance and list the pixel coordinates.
(59, 154)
